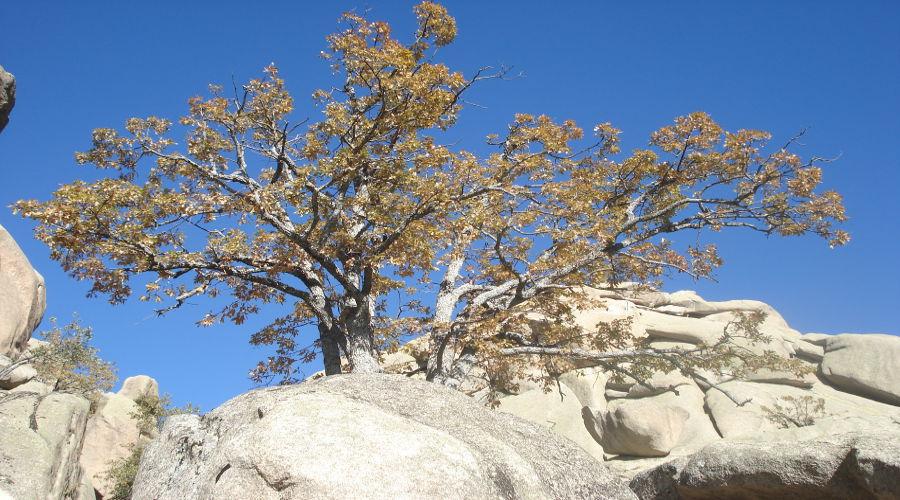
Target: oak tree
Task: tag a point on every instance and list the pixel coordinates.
(367, 223)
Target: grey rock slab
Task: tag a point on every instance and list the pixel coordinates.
(845, 466)
(42, 437)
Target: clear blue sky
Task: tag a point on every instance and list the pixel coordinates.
(782, 66)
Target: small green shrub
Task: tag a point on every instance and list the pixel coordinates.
(121, 474)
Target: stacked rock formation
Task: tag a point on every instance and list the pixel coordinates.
(54, 445)
(655, 431)
(42, 431)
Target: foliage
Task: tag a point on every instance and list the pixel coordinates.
(121, 473)
(738, 352)
(68, 363)
(350, 220)
(789, 411)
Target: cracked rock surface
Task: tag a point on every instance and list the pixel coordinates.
(41, 441)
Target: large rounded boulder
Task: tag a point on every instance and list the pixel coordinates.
(40, 439)
(22, 297)
(365, 436)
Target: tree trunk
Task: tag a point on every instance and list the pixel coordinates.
(361, 339)
(441, 353)
(361, 358)
(452, 376)
(331, 351)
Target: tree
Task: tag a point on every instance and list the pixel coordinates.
(66, 361)
(352, 220)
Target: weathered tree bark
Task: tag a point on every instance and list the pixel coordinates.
(329, 336)
(443, 348)
(331, 350)
(361, 338)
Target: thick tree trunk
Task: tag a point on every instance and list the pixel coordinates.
(361, 358)
(439, 356)
(331, 350)
(361, 339)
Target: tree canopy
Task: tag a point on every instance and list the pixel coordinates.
(366, 225)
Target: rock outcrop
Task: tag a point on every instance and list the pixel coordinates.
(831, 434)
(639, 427)
(14, 374)
(364, 436)
(41, 431)
(670, 420)
(7, 96)
(842, 412)
(113, 431)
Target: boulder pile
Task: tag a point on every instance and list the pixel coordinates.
(658, 429)
(54, 445)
